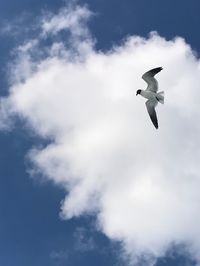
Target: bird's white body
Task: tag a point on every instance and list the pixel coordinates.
(148, 94)
(153, 96)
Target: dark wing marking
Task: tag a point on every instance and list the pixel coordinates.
(152, 113)
(150, 80)
(153, 71)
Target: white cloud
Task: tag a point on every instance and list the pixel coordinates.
(70, 18)
(142, 184)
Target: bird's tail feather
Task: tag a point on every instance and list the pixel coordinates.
(161, 96)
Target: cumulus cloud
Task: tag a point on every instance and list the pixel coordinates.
(142, 184)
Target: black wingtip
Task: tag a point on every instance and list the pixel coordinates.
(153, 71)
(159, 69)
(155, 124)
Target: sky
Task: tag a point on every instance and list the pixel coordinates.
(84, 177)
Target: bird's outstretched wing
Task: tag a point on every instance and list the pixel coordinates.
(152, 113)
(150, 80)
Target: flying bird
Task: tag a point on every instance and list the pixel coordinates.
(151, 94)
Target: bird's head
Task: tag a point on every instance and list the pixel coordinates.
(138, 92)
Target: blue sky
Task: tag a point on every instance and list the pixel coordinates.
(32, 232)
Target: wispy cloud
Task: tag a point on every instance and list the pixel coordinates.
(142, 184)
(84, 242)
(71, 18)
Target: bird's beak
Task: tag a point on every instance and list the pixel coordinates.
(136, 93)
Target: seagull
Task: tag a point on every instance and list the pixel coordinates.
(151, 93)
